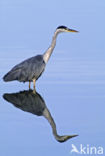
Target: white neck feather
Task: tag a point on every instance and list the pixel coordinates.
(49, 51)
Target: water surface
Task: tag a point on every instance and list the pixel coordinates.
(73, 90)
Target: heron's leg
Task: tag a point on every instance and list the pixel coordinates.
(29, 84)
(34, 84)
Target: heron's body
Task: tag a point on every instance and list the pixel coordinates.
(32, 68)
(27, 70)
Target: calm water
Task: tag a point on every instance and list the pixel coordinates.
(72, 90)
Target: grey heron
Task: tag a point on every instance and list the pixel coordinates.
(35, 104)
(32, 68)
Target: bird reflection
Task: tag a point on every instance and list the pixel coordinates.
(32, 102)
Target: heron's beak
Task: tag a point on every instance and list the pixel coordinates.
(72, 30)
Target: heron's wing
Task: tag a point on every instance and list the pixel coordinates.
(12, 75)
(18, 66)
(15, 72)
(29, 63)
(26, 70)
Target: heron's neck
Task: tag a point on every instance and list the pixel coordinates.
(48, 116)
(49, 51)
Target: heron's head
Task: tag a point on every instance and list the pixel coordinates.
(65, 29)
(64, 137)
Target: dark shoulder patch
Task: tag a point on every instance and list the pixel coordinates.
(39, 57)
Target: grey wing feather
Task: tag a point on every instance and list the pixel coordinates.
(27, 70)
(12, 75)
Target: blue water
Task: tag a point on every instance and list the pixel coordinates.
(72, 86)
(74, 93)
